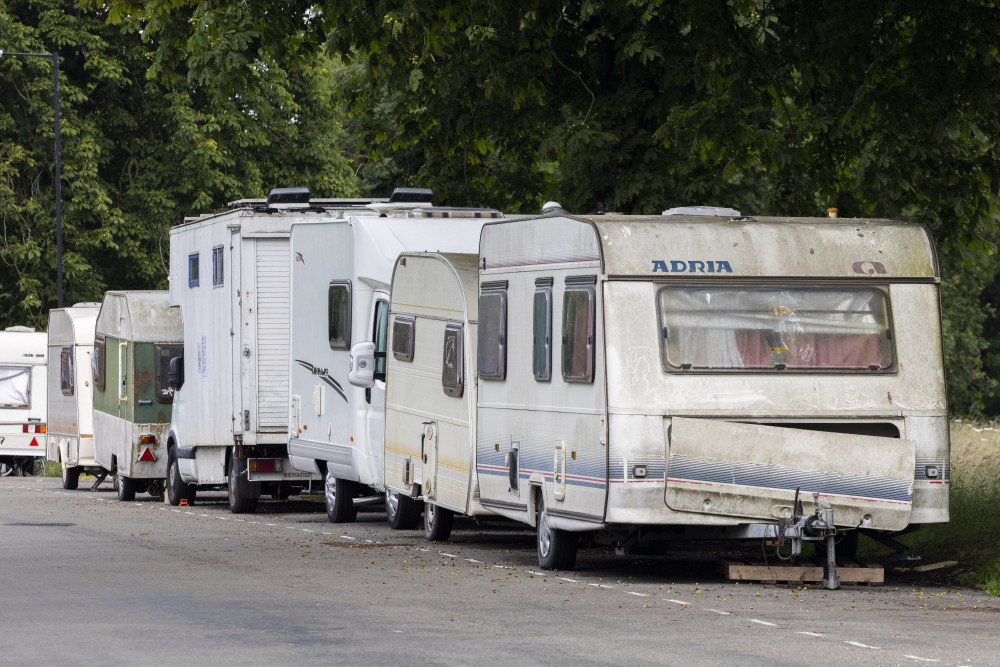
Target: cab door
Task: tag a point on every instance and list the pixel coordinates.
(375, 396)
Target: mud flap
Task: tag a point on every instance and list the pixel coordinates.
(751, 471)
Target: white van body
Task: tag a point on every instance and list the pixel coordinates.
(430, 410)
(229, 276)
(341, 274)
(706, 372)
(22, 399)
(71, 391)
(137, 333)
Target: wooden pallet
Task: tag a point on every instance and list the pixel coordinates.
(801, 573)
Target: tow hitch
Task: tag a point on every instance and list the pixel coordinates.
(817, 527)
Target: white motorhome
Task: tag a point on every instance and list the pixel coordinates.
(341, 272)
(662, 377)
(229, 276)
(138, 333)
(71, 392)
(22, 400)
(430, 409)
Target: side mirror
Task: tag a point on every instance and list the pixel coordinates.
(362, 372)
(175, 375)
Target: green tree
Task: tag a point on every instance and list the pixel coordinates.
(138, 154)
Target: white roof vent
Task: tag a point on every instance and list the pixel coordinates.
(553, 207)
(711, 211)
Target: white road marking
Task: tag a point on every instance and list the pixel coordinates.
(642, 595)
(860, 645)
(537, 574)
(348, 537)
(442, 553)
(572, 581)
(756, 620)
(810, 634)
(678, 601)
(916, 657)
(473, 560)
(720, 613)
(304, 530)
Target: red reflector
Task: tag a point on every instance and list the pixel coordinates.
(34, 443)
(147, 455)
(262, 465)
(24, 429)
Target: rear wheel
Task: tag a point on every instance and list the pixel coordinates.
(70, 477)
(340, 495)
(28, 467)
(402, 512)
(177, 488)
(242, 499)
(437, 522)
(126, 488)
(556, 548)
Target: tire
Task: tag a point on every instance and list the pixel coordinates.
(126, 488)
(437, 522)
(156, 488)
(339, 494)
(556, 548)
(402, 512)
(242, 499)
(70, 477)
(177, 488)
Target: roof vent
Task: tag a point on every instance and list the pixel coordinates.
(553, 208)
(412, 196)
(289, 198)
(711, 211)
(20, 329)
(87, 304)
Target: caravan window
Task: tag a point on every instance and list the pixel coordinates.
(15, 386)
(66, 371)
(452, 379)
(339, 315)
(164, 353)
(217, 266)
(97, 362)
(774, 328)
(492, 350)
(541, 347)
(380, 333)
(578, 330)
(403, 335)
(193, 278)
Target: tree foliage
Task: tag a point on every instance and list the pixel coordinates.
(138, 153)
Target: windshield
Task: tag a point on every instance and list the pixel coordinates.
(773, 328)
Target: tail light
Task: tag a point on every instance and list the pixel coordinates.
(263, 465)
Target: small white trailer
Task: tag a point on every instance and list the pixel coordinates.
(71, 392)
(138, 333)
(650, 378)
(430, 409)
(341, 272)
(22, 400)
(229, 276)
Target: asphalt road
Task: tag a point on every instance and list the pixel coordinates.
(87, 580)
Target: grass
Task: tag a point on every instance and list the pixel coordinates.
(972, 537)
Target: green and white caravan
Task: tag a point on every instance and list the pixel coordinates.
(71, 392)
(138, 333)
(648, 378)
(22, 400)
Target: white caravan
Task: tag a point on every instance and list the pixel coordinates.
(229, 276)
(71, 392)
(138, 333)
(661, 377)
(341, 272)
(22, 400)
(430, 404)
